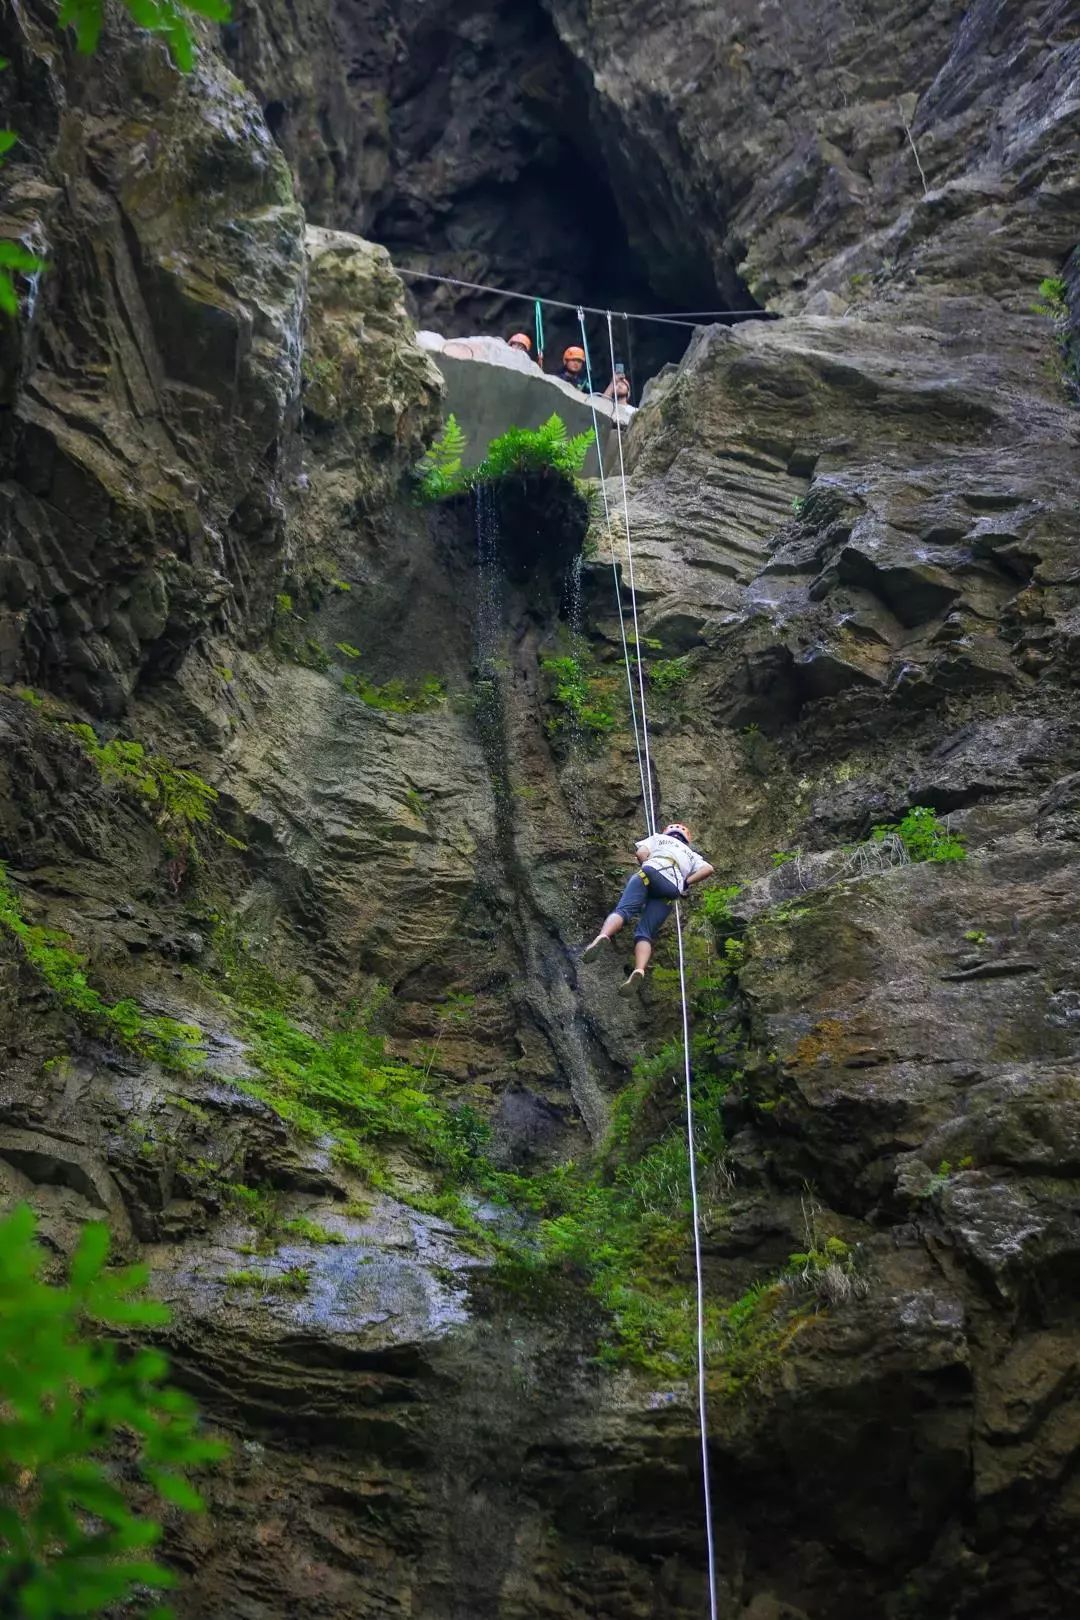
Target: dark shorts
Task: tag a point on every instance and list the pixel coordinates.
(649, 902)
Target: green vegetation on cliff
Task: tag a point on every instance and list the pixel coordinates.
(580, 697)
(396, 696)
(74, 1538)
(181, 804)
(514, 454)
(180, 800)
(52, 956)
(923, 836)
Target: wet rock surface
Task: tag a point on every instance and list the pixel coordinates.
(856, 527)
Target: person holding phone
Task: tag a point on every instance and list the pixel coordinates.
(619, 386)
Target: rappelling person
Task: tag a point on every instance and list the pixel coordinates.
(522, 342)
(669, 867)
(573, 369)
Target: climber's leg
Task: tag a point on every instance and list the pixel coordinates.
(652, 919)
(634, 898)
(642, 953)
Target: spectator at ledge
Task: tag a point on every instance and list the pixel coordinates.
(575, 373)
(618, 389)
(573, 369)
(522, 342)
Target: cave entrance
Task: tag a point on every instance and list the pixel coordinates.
(557, 233)
(496, 175)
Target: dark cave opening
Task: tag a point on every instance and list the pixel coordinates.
(555, 232)
(497, 176)
(472, 144)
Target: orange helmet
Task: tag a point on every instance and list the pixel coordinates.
(573, 354)
(521, 340)
(679, 828)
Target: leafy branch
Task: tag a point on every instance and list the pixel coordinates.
(70, 1541)
(165, 17)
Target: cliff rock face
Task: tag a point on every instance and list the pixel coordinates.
(854, 526)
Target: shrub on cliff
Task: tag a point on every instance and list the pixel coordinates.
(922, 836)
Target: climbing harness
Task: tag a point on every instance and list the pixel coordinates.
(641, 742)
(557, 303)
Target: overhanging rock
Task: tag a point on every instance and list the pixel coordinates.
(491, 387)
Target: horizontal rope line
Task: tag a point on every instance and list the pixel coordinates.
(557, 303)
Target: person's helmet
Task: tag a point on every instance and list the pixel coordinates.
(573, 354)
(676, 829)
(521, 340)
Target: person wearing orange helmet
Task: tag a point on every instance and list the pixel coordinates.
(669, 867)
(522, 342)
(573, 368)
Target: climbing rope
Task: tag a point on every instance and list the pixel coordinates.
(556, 303)
(630, 357)
(645, 767)
(692, 1155)
(614, 562)
(650, 809)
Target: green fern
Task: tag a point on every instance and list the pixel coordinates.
(1053, 298)
(527, 450)
(441, 472)
(514, 454)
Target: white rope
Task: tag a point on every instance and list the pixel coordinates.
(614, 563)
(650, 809)
(702, 1401)
(645, 765)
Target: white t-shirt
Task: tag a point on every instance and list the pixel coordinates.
(671, 858)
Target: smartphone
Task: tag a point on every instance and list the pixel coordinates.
(620, 369)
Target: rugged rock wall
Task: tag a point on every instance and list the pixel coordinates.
(858, 528)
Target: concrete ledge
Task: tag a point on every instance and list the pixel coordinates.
(491, 387)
